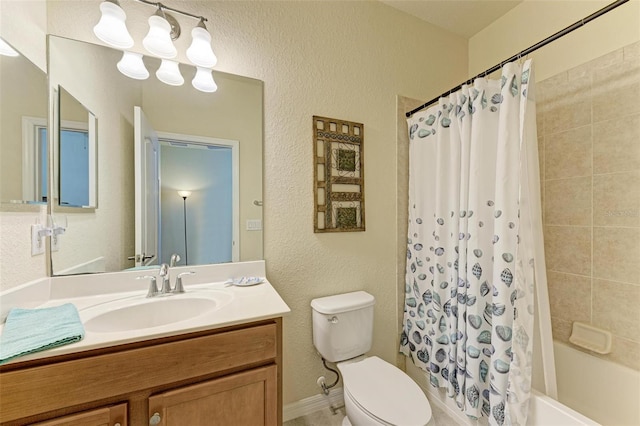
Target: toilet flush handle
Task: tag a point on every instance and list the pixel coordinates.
(333, 319)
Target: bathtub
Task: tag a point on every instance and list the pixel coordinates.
(604, 391)
(544, 411)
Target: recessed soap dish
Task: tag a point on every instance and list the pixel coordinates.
(592, 338)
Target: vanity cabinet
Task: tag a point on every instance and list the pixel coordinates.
(115, 415)
(240, 399)
(227, 376)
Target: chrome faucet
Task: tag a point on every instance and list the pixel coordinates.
(164, 274)
(175, 258)
(166, 281)
(153, 288)
(179, 288)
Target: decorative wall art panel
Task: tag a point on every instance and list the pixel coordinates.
(338, 175)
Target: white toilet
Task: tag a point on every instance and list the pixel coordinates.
(375, 392)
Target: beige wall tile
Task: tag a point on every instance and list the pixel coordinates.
(616, 90)
(568, 201)
(572, 112)
(632, 51)
(551, 86)
(570, 297)
(616, 254)
(615, 308)
(568, 249)
(583, 70)
(625, 352)
(539, 120)
(615, 144)
(616, 199)
(561, 329)
(568, 154)
(567, 104)
(614, 58)
(541, 155)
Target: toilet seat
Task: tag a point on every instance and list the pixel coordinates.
(385, 393)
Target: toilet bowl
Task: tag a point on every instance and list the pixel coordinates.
(378, 393)
(375, 392)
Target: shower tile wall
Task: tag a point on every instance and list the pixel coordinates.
(589, 144)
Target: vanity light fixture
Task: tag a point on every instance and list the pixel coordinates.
(203, 80)
(112, 28)
(7, 50)
(169, 73)
(132, 66)
(158, 40)
(163, 30)
(200, 52)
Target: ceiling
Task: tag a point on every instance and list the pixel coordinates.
(462, 17)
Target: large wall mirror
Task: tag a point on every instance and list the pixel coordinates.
(23, 132)
(179, 171)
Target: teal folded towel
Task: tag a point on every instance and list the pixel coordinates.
(32, 330)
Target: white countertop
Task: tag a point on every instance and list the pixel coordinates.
(247, 304)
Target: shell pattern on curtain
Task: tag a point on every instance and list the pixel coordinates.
(468, 317)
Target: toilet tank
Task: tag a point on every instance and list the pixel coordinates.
(343, 325)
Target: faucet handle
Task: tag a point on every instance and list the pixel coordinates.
(164, 270)
(179, 287)
(153, 286)
(165, 288)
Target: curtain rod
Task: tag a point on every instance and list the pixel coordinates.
(528, 50)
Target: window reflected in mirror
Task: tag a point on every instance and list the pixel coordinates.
(23, 131)
(76, 150)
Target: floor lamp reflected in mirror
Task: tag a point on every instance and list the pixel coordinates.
(184, 195)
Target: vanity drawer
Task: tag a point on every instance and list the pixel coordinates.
(32, 391)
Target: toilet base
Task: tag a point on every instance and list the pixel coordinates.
(347, 422)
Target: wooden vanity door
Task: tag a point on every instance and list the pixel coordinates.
(115, 415)
(246, 398)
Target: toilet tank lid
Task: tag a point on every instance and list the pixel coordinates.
(343, 302)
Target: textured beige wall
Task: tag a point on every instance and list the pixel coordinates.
(339, 59)
(588, 132)
(534, 20)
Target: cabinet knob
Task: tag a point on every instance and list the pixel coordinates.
(155, 419)
(117, 424)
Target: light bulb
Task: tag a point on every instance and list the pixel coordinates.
(200, 52)
(184, 194)
(203, 80)
(169, 73)
(132, 66)
(111, 28)
(7, 50)
(158, 40)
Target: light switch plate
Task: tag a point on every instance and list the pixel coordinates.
(37, 243)
(254, 225)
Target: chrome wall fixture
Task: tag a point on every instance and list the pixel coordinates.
(163, 30)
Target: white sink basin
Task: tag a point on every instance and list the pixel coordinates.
(142, 313)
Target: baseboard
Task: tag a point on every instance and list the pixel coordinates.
(312, 404)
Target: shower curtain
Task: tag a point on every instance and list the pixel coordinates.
(474, 238)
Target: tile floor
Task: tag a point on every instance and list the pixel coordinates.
(326, 418)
